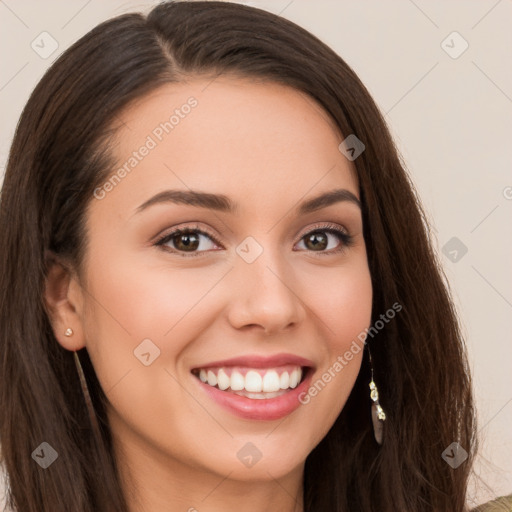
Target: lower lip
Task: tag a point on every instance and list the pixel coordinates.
(262, 408)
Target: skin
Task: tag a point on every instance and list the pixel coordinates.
(268, 147)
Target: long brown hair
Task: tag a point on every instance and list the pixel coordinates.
(60, 154)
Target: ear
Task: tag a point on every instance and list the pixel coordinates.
(63, 297)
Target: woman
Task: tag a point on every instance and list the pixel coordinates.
(204, 211)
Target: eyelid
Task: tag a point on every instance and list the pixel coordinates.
(323, 225)
(162, 239)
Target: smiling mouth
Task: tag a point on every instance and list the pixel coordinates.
(255, 383)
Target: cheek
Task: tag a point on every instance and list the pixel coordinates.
(132, 302)
(148, 301)
(155, 310)
(342, 300)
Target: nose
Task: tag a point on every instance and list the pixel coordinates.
(265, 295)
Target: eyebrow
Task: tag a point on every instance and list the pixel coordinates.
(222, 203)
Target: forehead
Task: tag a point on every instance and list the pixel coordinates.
(233, 136)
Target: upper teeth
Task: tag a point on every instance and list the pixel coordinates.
(255, 381)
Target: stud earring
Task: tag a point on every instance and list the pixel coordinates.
(378, 414)
(69, 332)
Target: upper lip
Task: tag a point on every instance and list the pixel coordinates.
(260, 361)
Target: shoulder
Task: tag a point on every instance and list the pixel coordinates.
(503, 504)
(4, 487)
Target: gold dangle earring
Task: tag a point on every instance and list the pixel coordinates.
(378, 414)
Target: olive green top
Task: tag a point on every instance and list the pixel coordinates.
(503, 504)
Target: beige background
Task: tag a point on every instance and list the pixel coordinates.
(451, 118)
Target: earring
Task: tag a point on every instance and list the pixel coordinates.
(69, 332)
(378, 414)
(87, 396)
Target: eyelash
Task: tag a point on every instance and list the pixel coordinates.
(346, 239)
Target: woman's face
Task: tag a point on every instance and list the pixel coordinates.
(247, 300)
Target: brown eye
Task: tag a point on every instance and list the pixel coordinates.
(326, 240)
(317, 240)
(186, 241)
